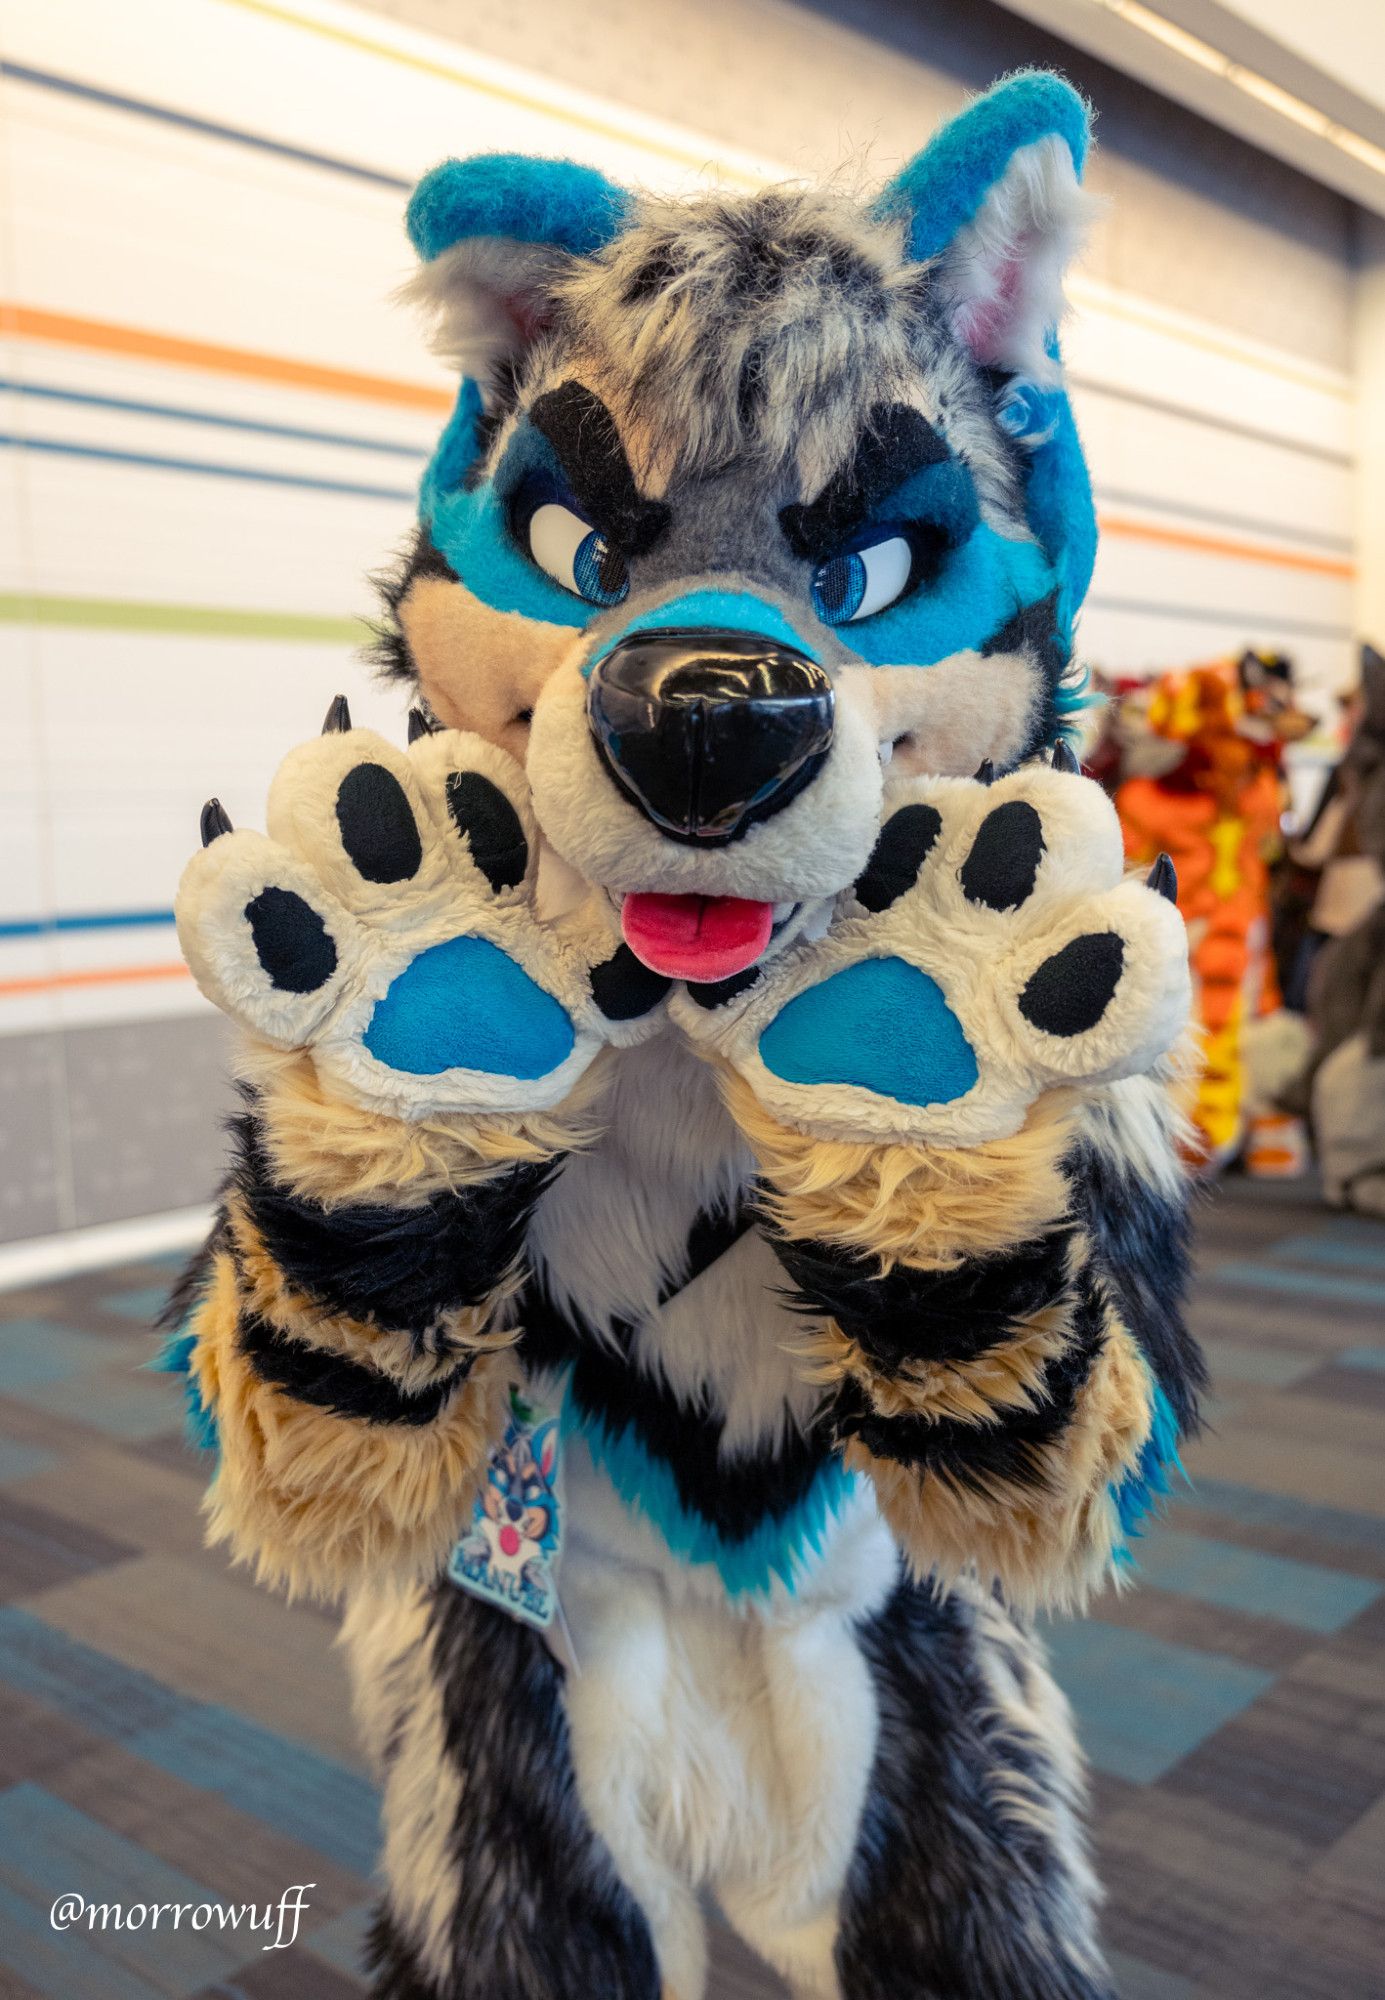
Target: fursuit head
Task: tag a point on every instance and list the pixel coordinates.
(747, 501)
(703, 1250)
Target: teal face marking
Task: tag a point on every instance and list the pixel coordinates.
(469, 528)
(882, 1025)
(718, 610)
(466, 1005)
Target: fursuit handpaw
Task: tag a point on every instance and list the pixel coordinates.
(387, 925)
(991, 949)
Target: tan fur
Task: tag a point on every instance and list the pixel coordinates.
(334, 1152)
(1048, 1544)
(408, 1361)
(479, 668)
(315, 1502)
(1005, 1378)
(929, 1209)
(947, 719)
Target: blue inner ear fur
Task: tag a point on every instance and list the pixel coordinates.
(514, 197)
(882, 1025)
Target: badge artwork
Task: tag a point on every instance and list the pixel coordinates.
(509, 1556)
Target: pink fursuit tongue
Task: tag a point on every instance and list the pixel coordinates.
(702, 938)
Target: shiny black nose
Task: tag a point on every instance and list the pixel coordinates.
(514, 1510)
(709, 732)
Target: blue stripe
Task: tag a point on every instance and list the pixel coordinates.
(97, 920)
(1343, 1252)
(294, 1790)
(181, 414)
(204, 466)
(206, 128)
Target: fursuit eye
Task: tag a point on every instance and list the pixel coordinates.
(861, 581)
(576, 556)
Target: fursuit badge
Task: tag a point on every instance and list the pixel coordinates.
(509, 1554)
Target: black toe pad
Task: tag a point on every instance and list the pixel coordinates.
(1005, 857)
(377, 825)
(624, 988)
(293, 944)
(905, 842)
(1072, 990)
(716, 992)
(481, 811)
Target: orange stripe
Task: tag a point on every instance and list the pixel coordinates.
(1217, 545)
(108, 337)
(120, 975)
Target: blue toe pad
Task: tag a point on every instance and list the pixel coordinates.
(881, 1024)
(466, 1005)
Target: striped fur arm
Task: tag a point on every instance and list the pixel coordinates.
(1003, 1350)
(346, 1348)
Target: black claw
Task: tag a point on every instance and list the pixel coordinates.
(985, 773)
(1065, 759)
(215, 821)
(1163, 879)
(338, 718)
(420, 725)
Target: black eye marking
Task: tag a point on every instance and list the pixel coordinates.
(481, 811)
(582, 432)
(626, 990)
(899, 442)
(377, 825)
(905, 842)
(1072, 990)
(1005, 857)
(1033, 630)
(716, 992)
(291, 941)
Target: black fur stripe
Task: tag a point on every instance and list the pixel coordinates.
(908, 1314)
(953, 1890)
(538, 1911)
(345, 1388)
(980, 1457)
(1143, 1241)
(400, 1269)
(733, 1494)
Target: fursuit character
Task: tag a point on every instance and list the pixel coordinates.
(1205, 784)
(1343, 1081)
(730, 1018)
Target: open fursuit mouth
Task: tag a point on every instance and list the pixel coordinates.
(702, 938)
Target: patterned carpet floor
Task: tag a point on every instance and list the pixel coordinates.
(169, 1734)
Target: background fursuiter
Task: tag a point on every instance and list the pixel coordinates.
(981, 1356)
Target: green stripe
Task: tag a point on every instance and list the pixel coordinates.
(209, 621)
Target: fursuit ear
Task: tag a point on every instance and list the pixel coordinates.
(494, 232)
(995, 203)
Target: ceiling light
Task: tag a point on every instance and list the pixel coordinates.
(1248, 81)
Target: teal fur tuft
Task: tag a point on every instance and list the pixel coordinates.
(1141, 1494)
(175, 1358)
(775, 1552)
(941, 188)
(517, 199)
